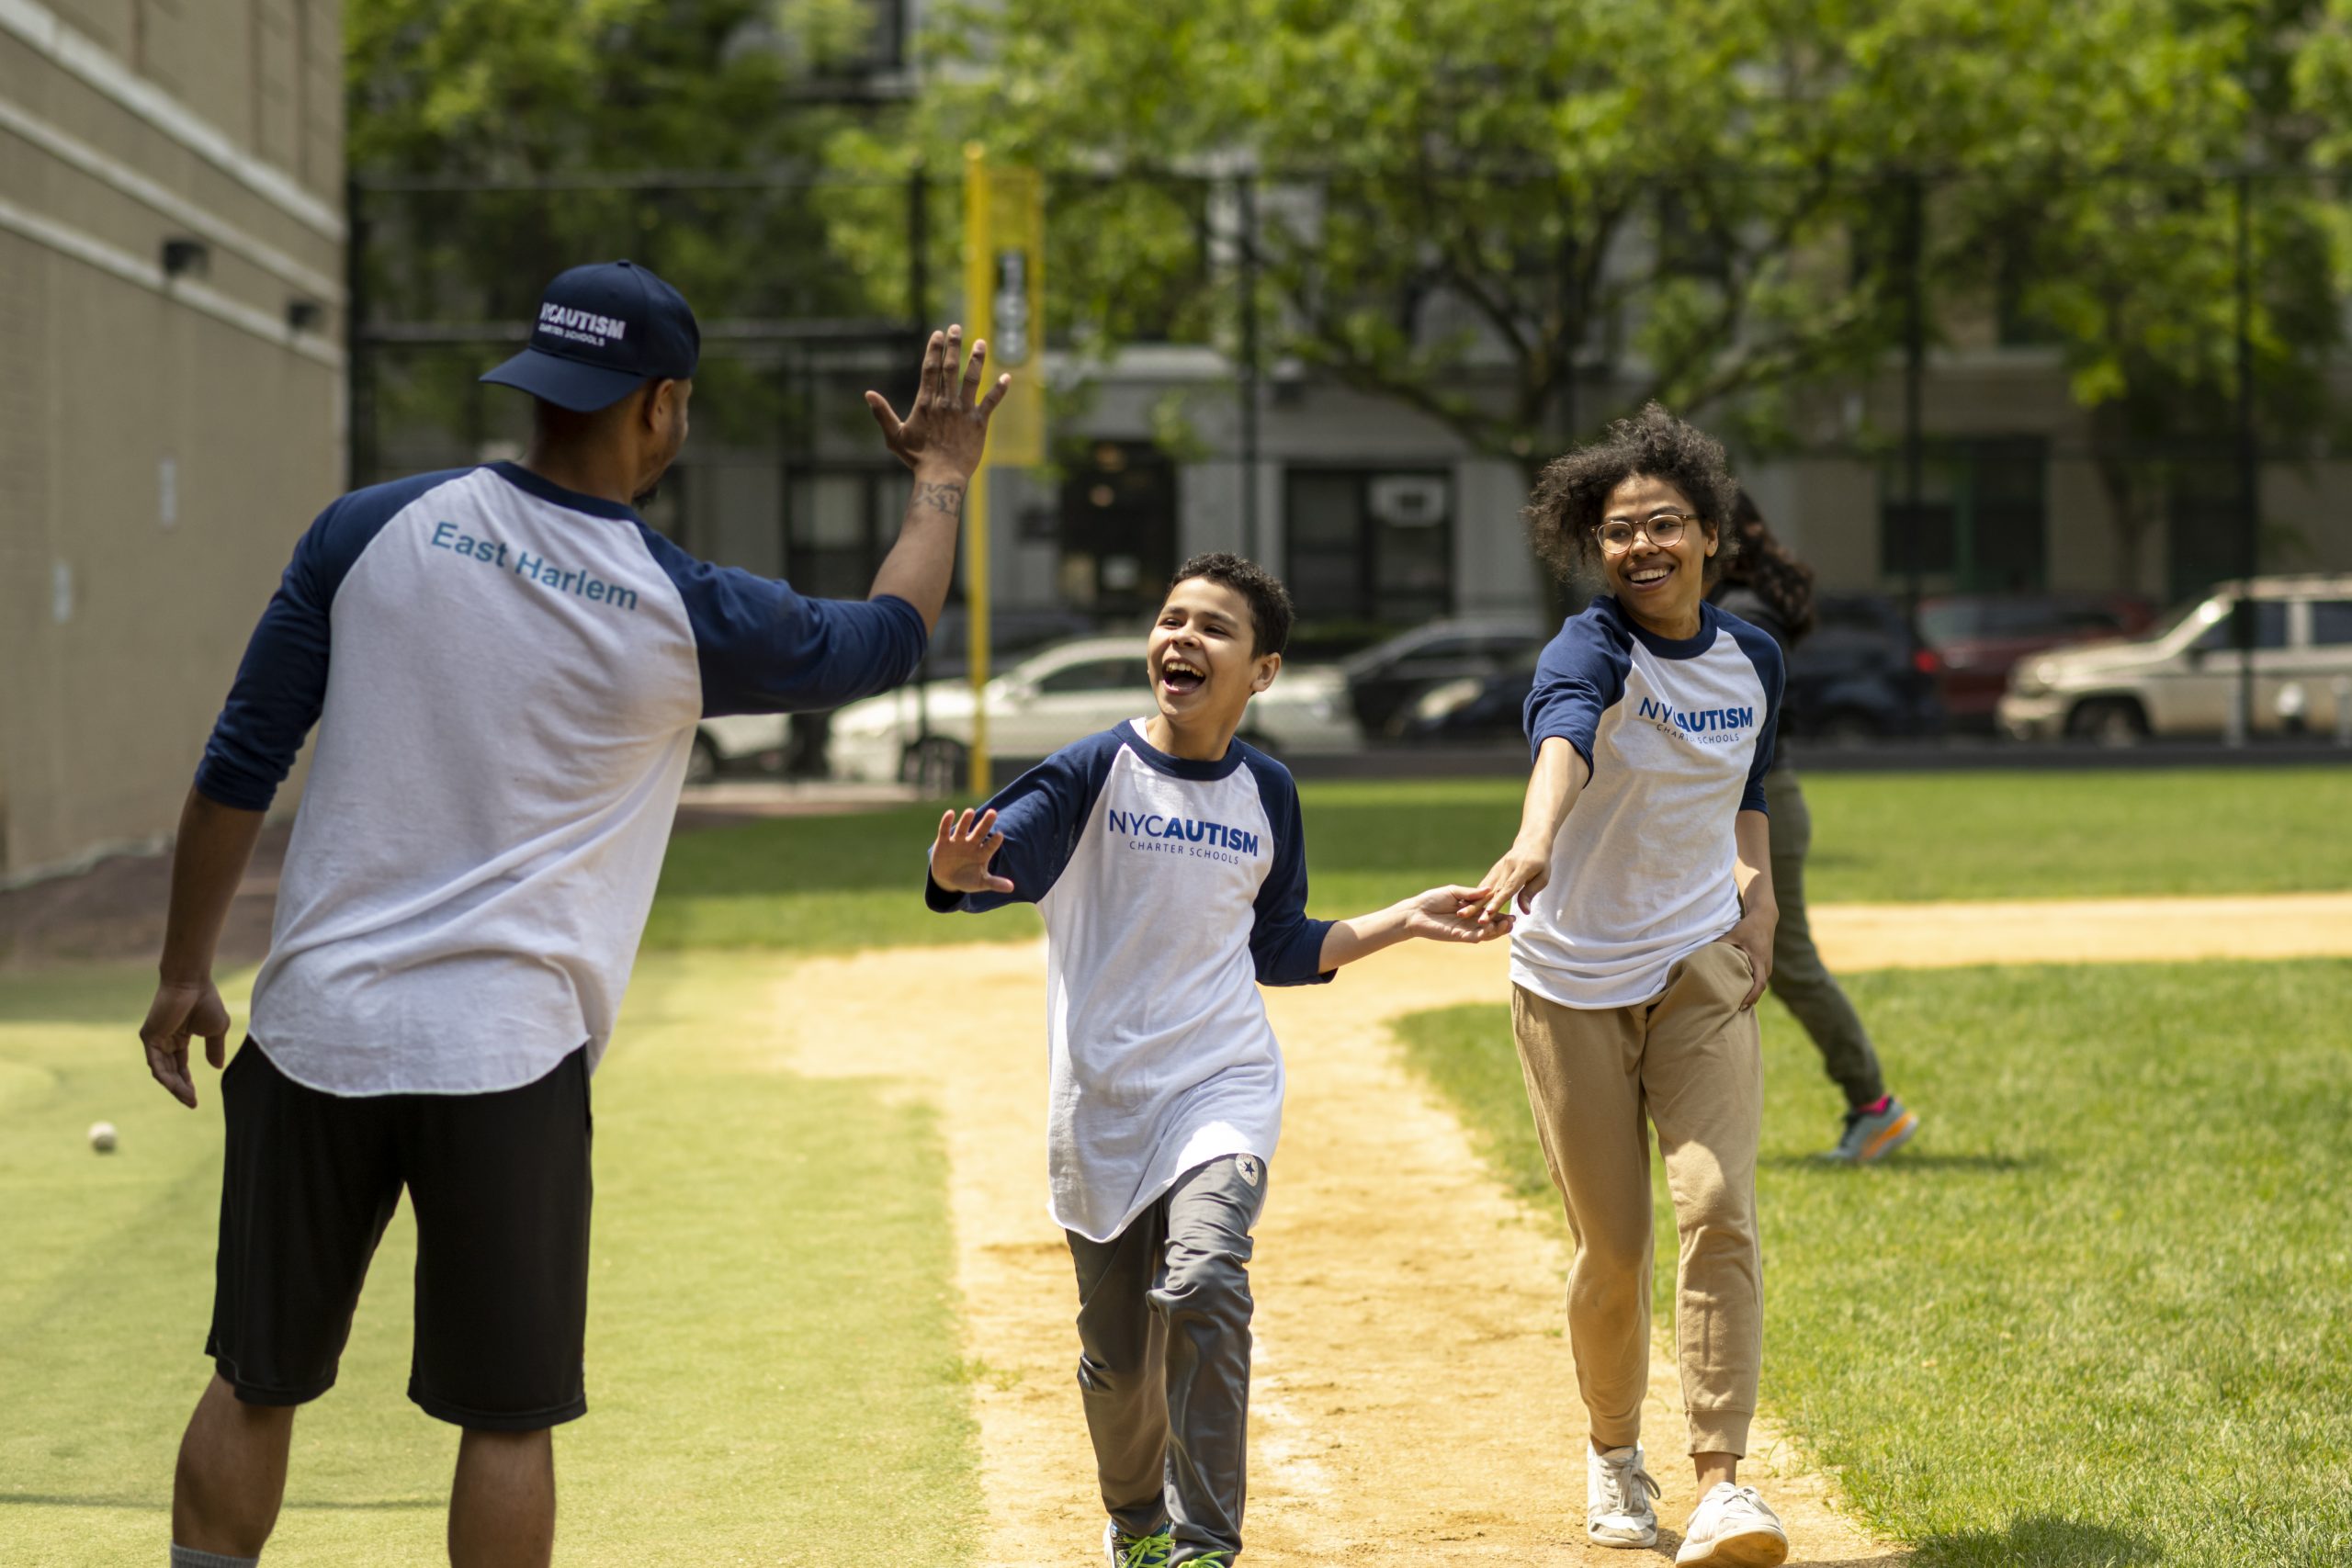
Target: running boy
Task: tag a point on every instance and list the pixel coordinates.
(1167, 860)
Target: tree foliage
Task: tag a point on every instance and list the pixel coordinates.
(1500, 212)
(569, 110)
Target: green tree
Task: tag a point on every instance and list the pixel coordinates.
(555, 98)
(1492, 210)
(2119, 247)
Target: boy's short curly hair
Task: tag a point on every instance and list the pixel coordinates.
(1573, 490)
(1270, 607)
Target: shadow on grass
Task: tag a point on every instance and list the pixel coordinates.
(2042, 1541)
(1895, 1165)
(384, 1506)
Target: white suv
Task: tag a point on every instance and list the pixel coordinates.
(2182, 677)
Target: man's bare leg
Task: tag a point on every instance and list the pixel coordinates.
(231, 1473)
(501, 1505)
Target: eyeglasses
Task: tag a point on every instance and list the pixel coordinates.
(1662, 529)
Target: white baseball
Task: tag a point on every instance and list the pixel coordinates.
(102, 1137)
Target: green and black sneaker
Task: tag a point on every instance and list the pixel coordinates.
(1121, 1550)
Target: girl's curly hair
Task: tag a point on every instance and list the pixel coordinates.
(1572, 490)
(1765, 565)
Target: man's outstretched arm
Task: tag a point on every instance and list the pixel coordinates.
(942, 439)
(216, 842)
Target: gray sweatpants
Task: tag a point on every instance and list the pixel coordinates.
(1163, 1331)
(1799, 979)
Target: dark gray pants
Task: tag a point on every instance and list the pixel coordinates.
(1163, 1330)
(1799, 978)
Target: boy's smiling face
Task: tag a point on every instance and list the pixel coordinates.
(1204, 661)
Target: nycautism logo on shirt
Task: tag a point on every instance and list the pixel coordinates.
(1708, 727)
(1155, 833)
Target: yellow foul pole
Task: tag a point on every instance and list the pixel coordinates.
(979, 289)
(1004, 303)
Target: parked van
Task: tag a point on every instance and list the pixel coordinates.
(2181, 679)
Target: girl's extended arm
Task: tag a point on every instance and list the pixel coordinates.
(1552, 790)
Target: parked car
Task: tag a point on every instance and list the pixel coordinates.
(763, 741)
(2182, 678)
(1862, 675)
(1474, 709)
(1058, 695)
(1014, 635)
(1384, 680)
(1859, 676)
(1975, 639)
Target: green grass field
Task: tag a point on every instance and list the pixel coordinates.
(772, 1357)
(844, 881)
(2095, 1314)
(2136, 1174)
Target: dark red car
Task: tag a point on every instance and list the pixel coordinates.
(1974, 639)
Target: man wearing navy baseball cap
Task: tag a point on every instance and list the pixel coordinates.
(505, 666)
(603, 333)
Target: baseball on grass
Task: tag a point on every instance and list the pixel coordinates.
(102, 1137)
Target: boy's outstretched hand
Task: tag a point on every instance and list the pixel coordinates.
(1451, 914)
(960, 856)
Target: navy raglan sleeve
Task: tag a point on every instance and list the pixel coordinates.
(1041, 815)
(1579, 676)
(1286, 946)
(281, 683)
(763, 648)
(1771, 673)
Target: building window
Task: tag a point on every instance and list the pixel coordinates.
(838, 524)
(1981, 522)
(2205, 522)
(1118, 527)
(1373, 545)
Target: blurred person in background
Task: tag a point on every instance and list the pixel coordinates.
(1767, 587)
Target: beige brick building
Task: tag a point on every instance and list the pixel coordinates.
(171, 384)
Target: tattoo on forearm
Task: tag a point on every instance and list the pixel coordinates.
(947, 497)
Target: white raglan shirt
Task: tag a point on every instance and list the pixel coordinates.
(1678, 735)
(505, 678)
(1170, 889)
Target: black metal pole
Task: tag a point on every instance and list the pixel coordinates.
(919, 245)
(2249, 461)
(358, 370)
(1914, 358)
(1245, 206)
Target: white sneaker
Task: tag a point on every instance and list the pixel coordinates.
(1731, 1527)
(1618, 1498)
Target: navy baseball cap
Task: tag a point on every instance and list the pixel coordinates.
(602, 332)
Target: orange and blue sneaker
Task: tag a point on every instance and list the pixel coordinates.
(1874, 1131)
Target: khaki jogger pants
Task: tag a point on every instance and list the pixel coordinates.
(1690, 1063)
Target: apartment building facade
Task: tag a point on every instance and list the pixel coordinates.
(172, 245)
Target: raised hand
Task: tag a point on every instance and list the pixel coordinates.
(947, 429)
(960, 855)
(1452, 914)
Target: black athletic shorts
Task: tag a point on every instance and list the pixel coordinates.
(501, 1188)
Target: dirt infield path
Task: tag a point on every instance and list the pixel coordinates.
(1413, 1390)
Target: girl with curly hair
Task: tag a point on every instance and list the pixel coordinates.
(1643, 867)
(1766, 586)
